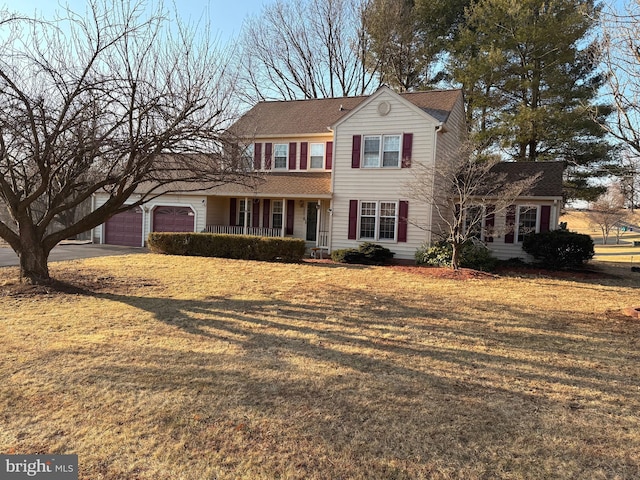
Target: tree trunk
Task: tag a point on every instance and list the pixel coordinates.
(34, 258)
(455, 255)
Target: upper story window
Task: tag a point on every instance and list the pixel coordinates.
(317, 155)
(280, 155)
(381, 151)
(247, 157)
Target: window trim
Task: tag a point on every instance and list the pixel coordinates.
(381, 151)
(274, 213)
(285, 147)
(518, 236)
(241, 210)
(377, 220)
(322, 147)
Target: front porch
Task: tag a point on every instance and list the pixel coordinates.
(271, 217)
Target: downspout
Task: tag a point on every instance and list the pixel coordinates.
(332, 189)
(93, 207)
(439, 128)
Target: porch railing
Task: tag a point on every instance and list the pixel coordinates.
(239, 230)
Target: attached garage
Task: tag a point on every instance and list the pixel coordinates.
(124, 228)
(173, 219)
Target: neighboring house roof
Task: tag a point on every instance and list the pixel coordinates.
(300, 117)
(549, 184)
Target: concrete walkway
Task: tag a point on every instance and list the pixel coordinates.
(71, 251)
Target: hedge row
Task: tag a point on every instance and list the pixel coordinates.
(243, 247)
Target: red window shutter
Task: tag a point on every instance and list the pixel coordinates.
(255, 214)
(266, 212)
(353, 220)
(233, 211)
(355, 151)
(329, 156)
(545, 218)
(292, 155)
(403, 223)
(489, 222)
(257, 156)
(304, 149)
(510, 224)
(268, 150)
(291, 205)
(407, 149)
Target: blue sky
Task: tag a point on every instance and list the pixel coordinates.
(226, 16)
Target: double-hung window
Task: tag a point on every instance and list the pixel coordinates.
(527, 220)
(247, 158)
(378, 220)
(276, 214)
(280, 151)
(317, 155)
(381, 151)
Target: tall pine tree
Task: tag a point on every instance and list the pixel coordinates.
(530, 78)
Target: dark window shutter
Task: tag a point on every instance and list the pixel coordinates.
(292, 155)
(257, 156)
(266, 212)
(510, 224)
(304, 148)
(329, 156)
(353, 220)
(545, 218)
(489, 222)
(291, 205)
(355, 151)
(255, 214)
(403, 215)
(268, 150)
(233, 211)
(407, 149)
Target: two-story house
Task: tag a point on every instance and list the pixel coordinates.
(336, 172)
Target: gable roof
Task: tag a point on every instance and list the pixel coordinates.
(549, 184)
(300, 117)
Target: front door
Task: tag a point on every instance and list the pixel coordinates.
(312, 221)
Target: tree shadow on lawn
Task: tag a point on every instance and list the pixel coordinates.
(397, 364)
(508, 342)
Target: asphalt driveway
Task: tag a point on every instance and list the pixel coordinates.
(70, 251)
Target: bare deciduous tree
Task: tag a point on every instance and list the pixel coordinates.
(607, 213)
(117, 100)
(308, 49)
(463, 192)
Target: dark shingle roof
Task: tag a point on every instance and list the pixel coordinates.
(299, 117)
(549, 184)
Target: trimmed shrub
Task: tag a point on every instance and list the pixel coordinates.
(243, 247)
(347, 255)
(559, 248)
(367, 253)
(473, 255)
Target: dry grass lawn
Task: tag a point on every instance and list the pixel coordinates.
(163, 367)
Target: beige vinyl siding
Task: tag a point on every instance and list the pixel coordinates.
(381, 184)
(286, 140)
(197, 203)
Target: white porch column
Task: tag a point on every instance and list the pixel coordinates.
(246, 216)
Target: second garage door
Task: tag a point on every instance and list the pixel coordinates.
(173, 219)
